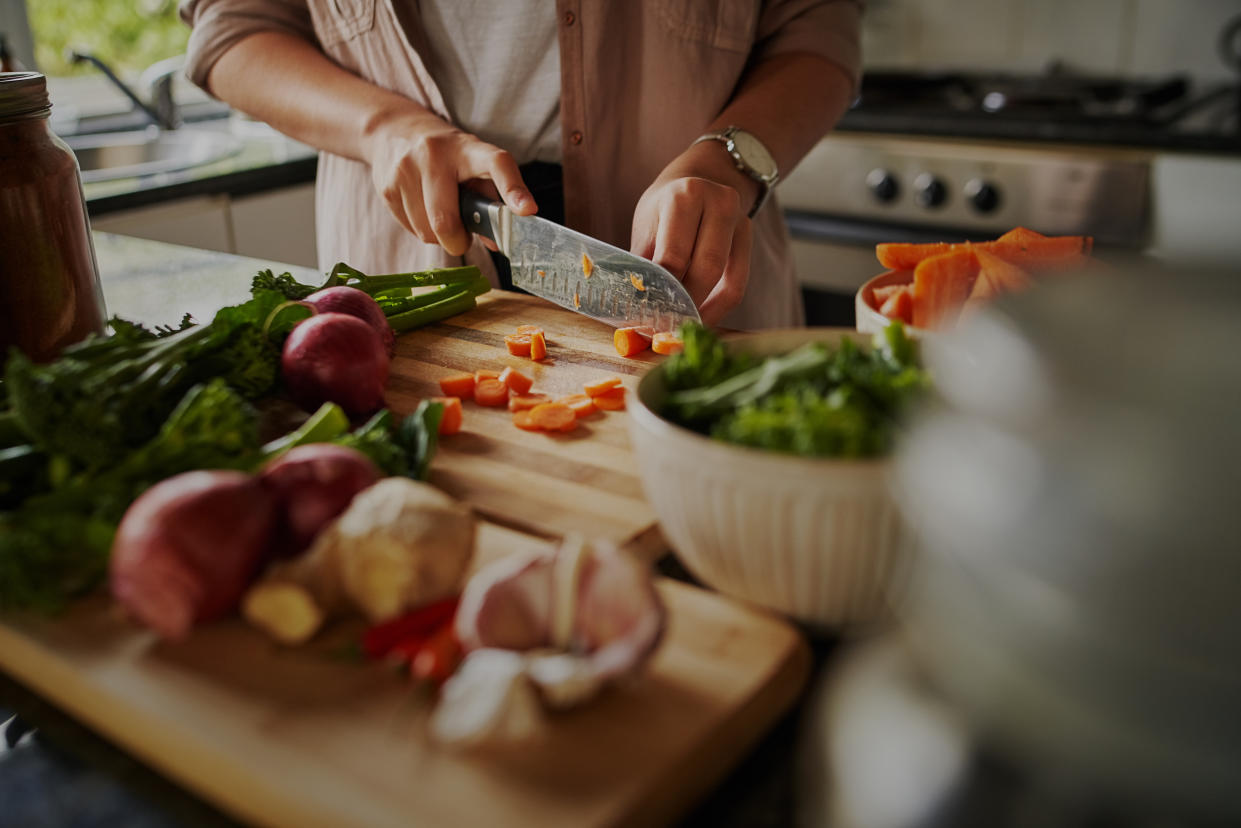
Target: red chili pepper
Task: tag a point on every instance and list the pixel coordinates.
(414, 627)
(439, 656)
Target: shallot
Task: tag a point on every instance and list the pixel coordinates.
(354, 302)
(334, 357)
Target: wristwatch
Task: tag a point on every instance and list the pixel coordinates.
(750, 156)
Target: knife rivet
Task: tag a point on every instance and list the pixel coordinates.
(477, 217)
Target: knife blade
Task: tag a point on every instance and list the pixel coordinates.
(578, 272)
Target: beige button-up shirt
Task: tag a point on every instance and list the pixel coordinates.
(640, 80)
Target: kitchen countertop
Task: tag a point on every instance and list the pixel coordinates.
(67, 774)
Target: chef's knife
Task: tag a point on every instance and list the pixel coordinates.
(578, 272)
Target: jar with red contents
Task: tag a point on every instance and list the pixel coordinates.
(49, 280)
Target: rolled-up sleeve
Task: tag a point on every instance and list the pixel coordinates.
(828, 28)
(217, 25)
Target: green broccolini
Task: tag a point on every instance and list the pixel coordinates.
(814, 401)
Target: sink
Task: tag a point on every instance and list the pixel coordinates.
(108, 156)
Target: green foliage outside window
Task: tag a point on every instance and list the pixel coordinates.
(128, 35)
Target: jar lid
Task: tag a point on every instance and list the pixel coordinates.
(23, 95)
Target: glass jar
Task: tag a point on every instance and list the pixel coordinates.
(49, 280)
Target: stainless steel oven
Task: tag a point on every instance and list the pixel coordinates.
(956, 157)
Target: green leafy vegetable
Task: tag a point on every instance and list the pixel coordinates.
(814, 401)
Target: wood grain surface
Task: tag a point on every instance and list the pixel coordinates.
(584, 481)
(285, 737)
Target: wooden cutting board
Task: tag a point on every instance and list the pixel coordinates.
(298, 737)
(584, 481)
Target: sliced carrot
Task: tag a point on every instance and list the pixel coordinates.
(1001, 273)
(529, 330)
(582, 405)
(523, 420)
(904, 256)
(491, 392)
(637, 281)
(450, 422)
(1019, 246)
(577, 300)
(602, 386)
(941, 285)
(516, 381)
(458, 385)
(538, 347)
(613, 400)
(900, 305)
(520, 402)
(588, 267)
(666, 342)
(485, 373)
(883, 294)
(631, 341)
(518, 344)
(554, 417)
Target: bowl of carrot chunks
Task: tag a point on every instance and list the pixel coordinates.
(929, 287)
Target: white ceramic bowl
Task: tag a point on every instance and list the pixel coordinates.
(820, 540)
(866, 310)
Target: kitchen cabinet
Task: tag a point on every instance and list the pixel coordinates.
(278, 225)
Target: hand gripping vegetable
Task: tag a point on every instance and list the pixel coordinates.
(188, 547)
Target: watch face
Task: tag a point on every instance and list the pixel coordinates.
(754, 153)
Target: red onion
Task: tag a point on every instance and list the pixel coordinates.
(338, 358)
(189, 546)
(349, 300)
(312, 484)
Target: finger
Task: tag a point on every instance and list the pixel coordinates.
(442, 201)
(642, 233)
(674, 238)
(731, 288)
(713, 247)
(502, 169)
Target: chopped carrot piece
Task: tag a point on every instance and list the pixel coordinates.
(1019, 246)
(542, 274)
(900, 305)
(1003, 274)
(637, 281)
(631, 341)
(523, 420)
(613, 400)
(941, 285)
(485, 373)
(518, 344)
(588, 267)
(577, 300)
(529, 330)
(554, 417)
(491, 392)
(450, 422)
(883, 294)
(516, 381)
(666, 342)
(905, 256)
(517, 402)
(602, 386)
(582, 405)
(458, 385)
(538, 347)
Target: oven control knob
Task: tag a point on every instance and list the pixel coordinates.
(883, 184)
(929, 191)
(982, 195)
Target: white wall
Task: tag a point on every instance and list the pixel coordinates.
(1122, 37)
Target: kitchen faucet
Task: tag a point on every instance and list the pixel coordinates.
(162, 110)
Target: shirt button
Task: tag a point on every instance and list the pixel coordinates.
(569, 18)
(575, 136)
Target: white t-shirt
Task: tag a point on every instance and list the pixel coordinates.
(497, 65)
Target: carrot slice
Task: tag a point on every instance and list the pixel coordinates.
(613, 400)
(666, 342)
(905, 256)
(631, 341)
(1001, 273)
(602, 386)
(458, 385)
(518, 344)
(520, 402)
(588, 267)
(485, 373)
(1019, 246)
(516, 381)
(538, 347)
(637, 281)
(582, 405)
(883, 294)
(523, 420)
(450, 422)
(491, 392)
(529, 330)
(900, 305)
(941, 285)
(554, 417)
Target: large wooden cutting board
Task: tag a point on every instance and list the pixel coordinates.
(296, 737)
(584, 481)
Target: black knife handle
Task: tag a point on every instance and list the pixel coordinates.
(476, 214)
